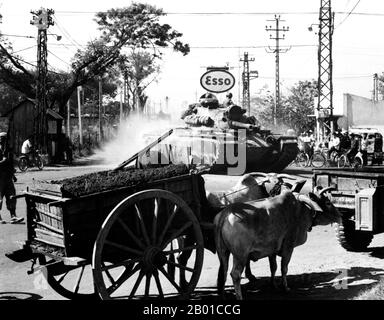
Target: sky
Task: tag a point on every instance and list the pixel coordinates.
(222, 39)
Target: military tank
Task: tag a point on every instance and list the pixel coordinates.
(220, 139)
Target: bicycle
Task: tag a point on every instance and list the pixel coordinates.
(344, 161)
(333, 158)
(25, 162)
(317, 160)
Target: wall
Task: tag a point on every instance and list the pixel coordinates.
(362, 112)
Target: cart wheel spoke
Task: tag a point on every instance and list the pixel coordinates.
(80, 276)
(176, 234)
(105, 269)
(147, 284)
(137, 283)
(167, 225)
(158, 284)
(124, 248)
(165, 273)
(142, 225)
(126, 274)
(130, 233)
(180, 266)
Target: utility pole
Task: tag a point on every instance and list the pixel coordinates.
(247, 76)
(79, 115)
(375, 95)
(42, 19)
(69, 119)
(100, 107)
(324, 118)
(279, 35)
(246, 80)
(166, 104)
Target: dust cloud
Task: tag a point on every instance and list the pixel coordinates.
(130, 137)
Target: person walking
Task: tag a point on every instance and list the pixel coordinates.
(7, 179)
(364, 148)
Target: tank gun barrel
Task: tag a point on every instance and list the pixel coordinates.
(241, 125)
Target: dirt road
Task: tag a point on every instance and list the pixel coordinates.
(320, 269)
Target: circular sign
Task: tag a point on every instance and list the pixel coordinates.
(217, 81)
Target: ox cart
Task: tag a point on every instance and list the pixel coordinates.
(120, 243)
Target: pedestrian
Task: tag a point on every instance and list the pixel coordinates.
(334, 144)
(7, 179)
(364, 148)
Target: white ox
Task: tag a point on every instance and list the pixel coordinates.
(268, 228)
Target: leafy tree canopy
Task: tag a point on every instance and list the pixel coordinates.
(136, 26)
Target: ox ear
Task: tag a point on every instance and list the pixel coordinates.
(313, 204)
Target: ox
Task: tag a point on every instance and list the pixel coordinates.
(268, 228)
(248, 189)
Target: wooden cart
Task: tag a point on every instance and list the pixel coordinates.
(127, 241)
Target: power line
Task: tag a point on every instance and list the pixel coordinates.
(378, 14)
(24, 49)
(66, 33)
(59, 58)
(349, 14)
(17, 36)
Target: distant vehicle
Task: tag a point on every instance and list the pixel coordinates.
(25, 162)
(374, 157)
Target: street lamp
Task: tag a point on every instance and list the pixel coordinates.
(310, 28)
(58, 37)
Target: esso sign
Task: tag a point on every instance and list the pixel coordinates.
(217, 81)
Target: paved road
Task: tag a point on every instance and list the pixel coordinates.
(320, 269)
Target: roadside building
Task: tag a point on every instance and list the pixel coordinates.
(21, 127)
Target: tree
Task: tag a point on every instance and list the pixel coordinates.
(294, 109)
(136, 26)
(298, 105)
(8, 98)
(139, 69)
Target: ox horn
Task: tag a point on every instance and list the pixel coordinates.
(326, 189)
(310, 203)
(258, 174)
(286, 176)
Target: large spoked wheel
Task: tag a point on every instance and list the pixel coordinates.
(23, 164)
(39, 163)
(302, 159)
(75, 283)
(141, 239)
(318, 160)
